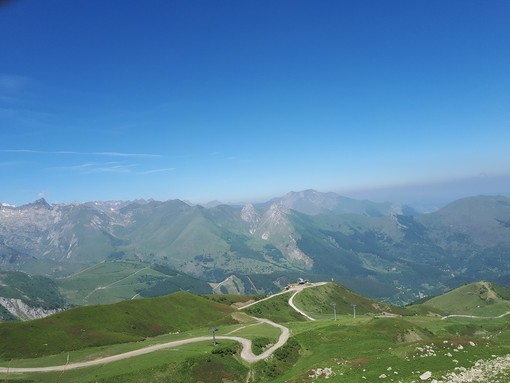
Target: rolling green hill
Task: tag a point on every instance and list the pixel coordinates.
(478, 298)
(318, 301)
(127, 321)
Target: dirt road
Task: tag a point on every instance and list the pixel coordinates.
(474, 316)
(298, 289)
(246, 352)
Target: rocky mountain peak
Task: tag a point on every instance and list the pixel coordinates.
(41, 203)
(249, 214)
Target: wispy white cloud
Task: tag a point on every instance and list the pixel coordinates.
(65, 152)
(108, 167)
(157, 171)
(117, 154)
(92, 167)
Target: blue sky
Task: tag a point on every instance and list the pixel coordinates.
(247, 100)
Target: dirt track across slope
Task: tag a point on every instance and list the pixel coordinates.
(246, 352)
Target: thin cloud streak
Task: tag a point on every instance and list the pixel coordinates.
(157, 171)
(107, 167)
(90, 168)
(102, 154)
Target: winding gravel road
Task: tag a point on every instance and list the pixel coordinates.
(246, 352)
(298, 289)
(474, 316)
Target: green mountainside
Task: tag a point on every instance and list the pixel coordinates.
(481, 298)
(27, 297)
(381, 250)
(114, 281)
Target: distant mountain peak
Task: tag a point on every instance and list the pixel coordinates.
(40, 203)
(313, 202)
(211, 204)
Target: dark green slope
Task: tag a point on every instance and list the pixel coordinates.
(36, 292)
(33, 290)
(473, 235)
(109, 324)
(369, 254)
(482, 220)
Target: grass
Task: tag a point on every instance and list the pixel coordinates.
(357, 350)
(473, 299)
(109, 324)
(107, 282)
(317, 302)
(360, 349)
(188, 363)
(275, 309)
(111, 282)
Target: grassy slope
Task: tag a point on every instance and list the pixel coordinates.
(478, 298)
(362, 350)
(109, 324)
(275, 309)
(357, 350)
(110, 282)
(317, 302)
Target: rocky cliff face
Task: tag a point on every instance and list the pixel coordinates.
(22, 311)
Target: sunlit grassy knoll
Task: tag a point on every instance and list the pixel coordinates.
(275, 309)
(251, 331)
(233, 299)
(478, 298)
(318, 302)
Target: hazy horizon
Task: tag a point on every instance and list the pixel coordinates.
(423, 197)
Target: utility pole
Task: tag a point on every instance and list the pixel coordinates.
(334, 309)
(354, 310)
(213, 330)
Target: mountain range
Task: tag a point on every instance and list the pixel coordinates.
(383, 250)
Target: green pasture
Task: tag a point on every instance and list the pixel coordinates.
(122, 322)
(366, 348)
(479, 299)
